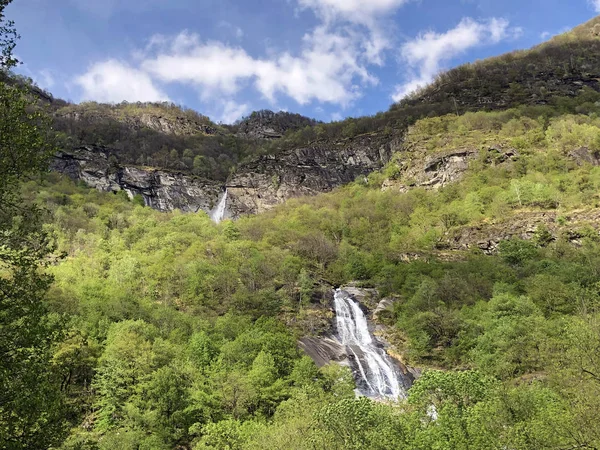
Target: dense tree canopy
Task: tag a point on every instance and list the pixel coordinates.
(182, 332)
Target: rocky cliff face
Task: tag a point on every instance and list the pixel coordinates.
(270, 180)
(161, 190)
(256, 187)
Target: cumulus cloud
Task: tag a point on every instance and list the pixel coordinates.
(365, 19)
(426, 54)
(331, 63)
(325, 69)
(115, 81)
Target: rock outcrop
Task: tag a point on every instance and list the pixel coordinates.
(256, 187)
(439, 170)
(272, 179)
(271, 125)
(324, 350)
(584, 155)
(174, 125)
(161, 190)
(548, 225)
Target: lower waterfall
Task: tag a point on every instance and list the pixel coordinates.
(218, 213)
(375, 373)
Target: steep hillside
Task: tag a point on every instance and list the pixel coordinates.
(321, 166)
(165, 118)
(158, 135)
(271, 157)
(478, 243)
(560, 68)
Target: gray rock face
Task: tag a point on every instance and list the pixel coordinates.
(270, 180)
(384, 305)
(324, 351)
(440, 170)
(584, 155)
(525, 225)
(256, 187)
(434, 172)
(161, 190)
(178, 126)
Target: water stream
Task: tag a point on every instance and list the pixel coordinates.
(218, 214)
(375, 373)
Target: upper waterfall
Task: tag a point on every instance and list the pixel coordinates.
(218, 213)
(375, 373)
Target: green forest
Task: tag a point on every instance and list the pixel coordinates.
(125, 328)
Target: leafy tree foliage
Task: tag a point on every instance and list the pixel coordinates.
(30, 401)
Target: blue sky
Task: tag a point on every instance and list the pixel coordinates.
(327, 59)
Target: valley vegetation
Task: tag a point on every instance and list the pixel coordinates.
(127, 328)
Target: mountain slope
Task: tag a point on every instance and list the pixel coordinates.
(562, 67)
(206, 316)
(478, 243)
(271, 157)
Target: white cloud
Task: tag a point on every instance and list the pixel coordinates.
(114, 81)
(363, 18)
(213, 66)
(232, 111)
(426, 53)
(595, 4)
(328, 68)
(331, 64)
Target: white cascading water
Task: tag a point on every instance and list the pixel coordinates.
(218, 213)
(375, 372)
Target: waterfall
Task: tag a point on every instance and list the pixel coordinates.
(375, 373)
(218, 214)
